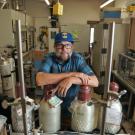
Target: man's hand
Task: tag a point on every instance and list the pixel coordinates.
(79, 79)
(63, 87)
(84, 78)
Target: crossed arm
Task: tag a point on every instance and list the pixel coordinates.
(65, 80)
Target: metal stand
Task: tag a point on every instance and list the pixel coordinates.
(108, 73)
(21, 73)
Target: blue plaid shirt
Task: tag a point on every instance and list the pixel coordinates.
(75, 64)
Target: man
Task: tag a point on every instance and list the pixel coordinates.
(67, 69)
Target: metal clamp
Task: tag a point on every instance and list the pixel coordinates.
(112, 96)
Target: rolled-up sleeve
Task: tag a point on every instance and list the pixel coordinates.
(46, 65)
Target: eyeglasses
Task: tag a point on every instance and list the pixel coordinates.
(61, 46)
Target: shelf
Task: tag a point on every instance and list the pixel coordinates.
(123, 81)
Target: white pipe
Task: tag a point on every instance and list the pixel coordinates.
(3, 5)
(47, 2)
(108, 73)
(106, 3)
(3, 1)
(21, 74)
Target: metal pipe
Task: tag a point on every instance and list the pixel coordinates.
(21, 73)
(108, 72)
(3, 4)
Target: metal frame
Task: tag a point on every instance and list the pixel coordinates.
(21, 75)
(108, 72)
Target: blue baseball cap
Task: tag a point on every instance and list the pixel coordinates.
(63, 36)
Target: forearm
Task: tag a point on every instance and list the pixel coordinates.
(92, 81)
(51, 78)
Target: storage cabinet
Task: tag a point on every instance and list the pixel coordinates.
(131, 44)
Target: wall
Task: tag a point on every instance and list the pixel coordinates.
(40, 13)
(79, 12)
(6, 34)
(82, 33)
(121, 41)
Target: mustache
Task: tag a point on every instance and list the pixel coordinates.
(61, 53)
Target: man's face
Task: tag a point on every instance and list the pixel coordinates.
(64, 50)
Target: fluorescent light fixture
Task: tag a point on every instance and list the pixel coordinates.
(106, 3)
(47, 2)
(92, 35)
